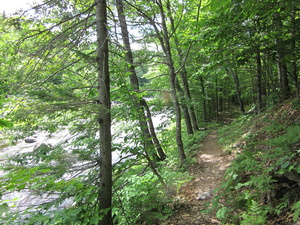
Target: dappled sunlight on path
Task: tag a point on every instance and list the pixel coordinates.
(197, 193)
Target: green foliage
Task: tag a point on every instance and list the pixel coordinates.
(296, 103)
(5, 123)
(48, 77)
(296, 208)
(252, 186)
(291, 136)
(255, 215)
(142, 189)
(144, 199)
(139, 185)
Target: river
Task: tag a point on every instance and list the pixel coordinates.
(23, 199)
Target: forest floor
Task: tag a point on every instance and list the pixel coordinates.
(208, 172)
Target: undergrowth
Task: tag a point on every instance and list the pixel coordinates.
(263, 182)
(143, 199)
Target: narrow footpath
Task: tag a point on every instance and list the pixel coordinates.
(197, 193)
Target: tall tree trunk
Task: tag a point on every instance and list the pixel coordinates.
(183, 73)
(105, 161)
(217, 100)
(282, 75)
(163, 38)
(281, 65)
(185, 109)
(152, 131)
(258, 82)
(238, 89)
(150, 141)
(267, 68)
(167, 50)
(203, 100)
(294, 52)
(221, 100)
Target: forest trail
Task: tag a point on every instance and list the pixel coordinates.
(207, 172)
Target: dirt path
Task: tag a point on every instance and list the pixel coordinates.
(207, 172)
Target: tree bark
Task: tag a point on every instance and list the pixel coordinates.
(238, 89)
(259, 82)
(167, 50)
(282, 75)
(281, 65)
(221, 99)
(163, 38)
(152, 131)
(185, 109)
(203, 100)
(105, 161)
(294, 52)
(149, 138)
(217, 99)
(183, 76)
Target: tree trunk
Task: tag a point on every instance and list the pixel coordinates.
(217, 100)
(167, 50)
(152, 131)
(183, 74)
(282, 75)
(105, 162)
(185, 109)
(179, 142)
(258, 82)
(203, 100)
(281, 65)
(238, 89)
(163, 38)
(221, 100)
(150, 141)
(294, 52)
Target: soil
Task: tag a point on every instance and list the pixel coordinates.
(195, 196)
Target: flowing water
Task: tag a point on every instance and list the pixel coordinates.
(23, 199)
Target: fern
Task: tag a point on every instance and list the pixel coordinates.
(292, 136)
(256, 214)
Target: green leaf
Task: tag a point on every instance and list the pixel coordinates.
(271, 168)
(221, 214)
(95, 219)
(285, 164)
(44, 171)
(296, 208)
(5, 123)
(298, 169)
(4, 208)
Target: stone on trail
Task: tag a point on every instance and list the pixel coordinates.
(204, 195)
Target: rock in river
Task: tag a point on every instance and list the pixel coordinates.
(30, 140)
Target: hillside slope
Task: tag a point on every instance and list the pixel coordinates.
(262, 185)
(247, 172)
